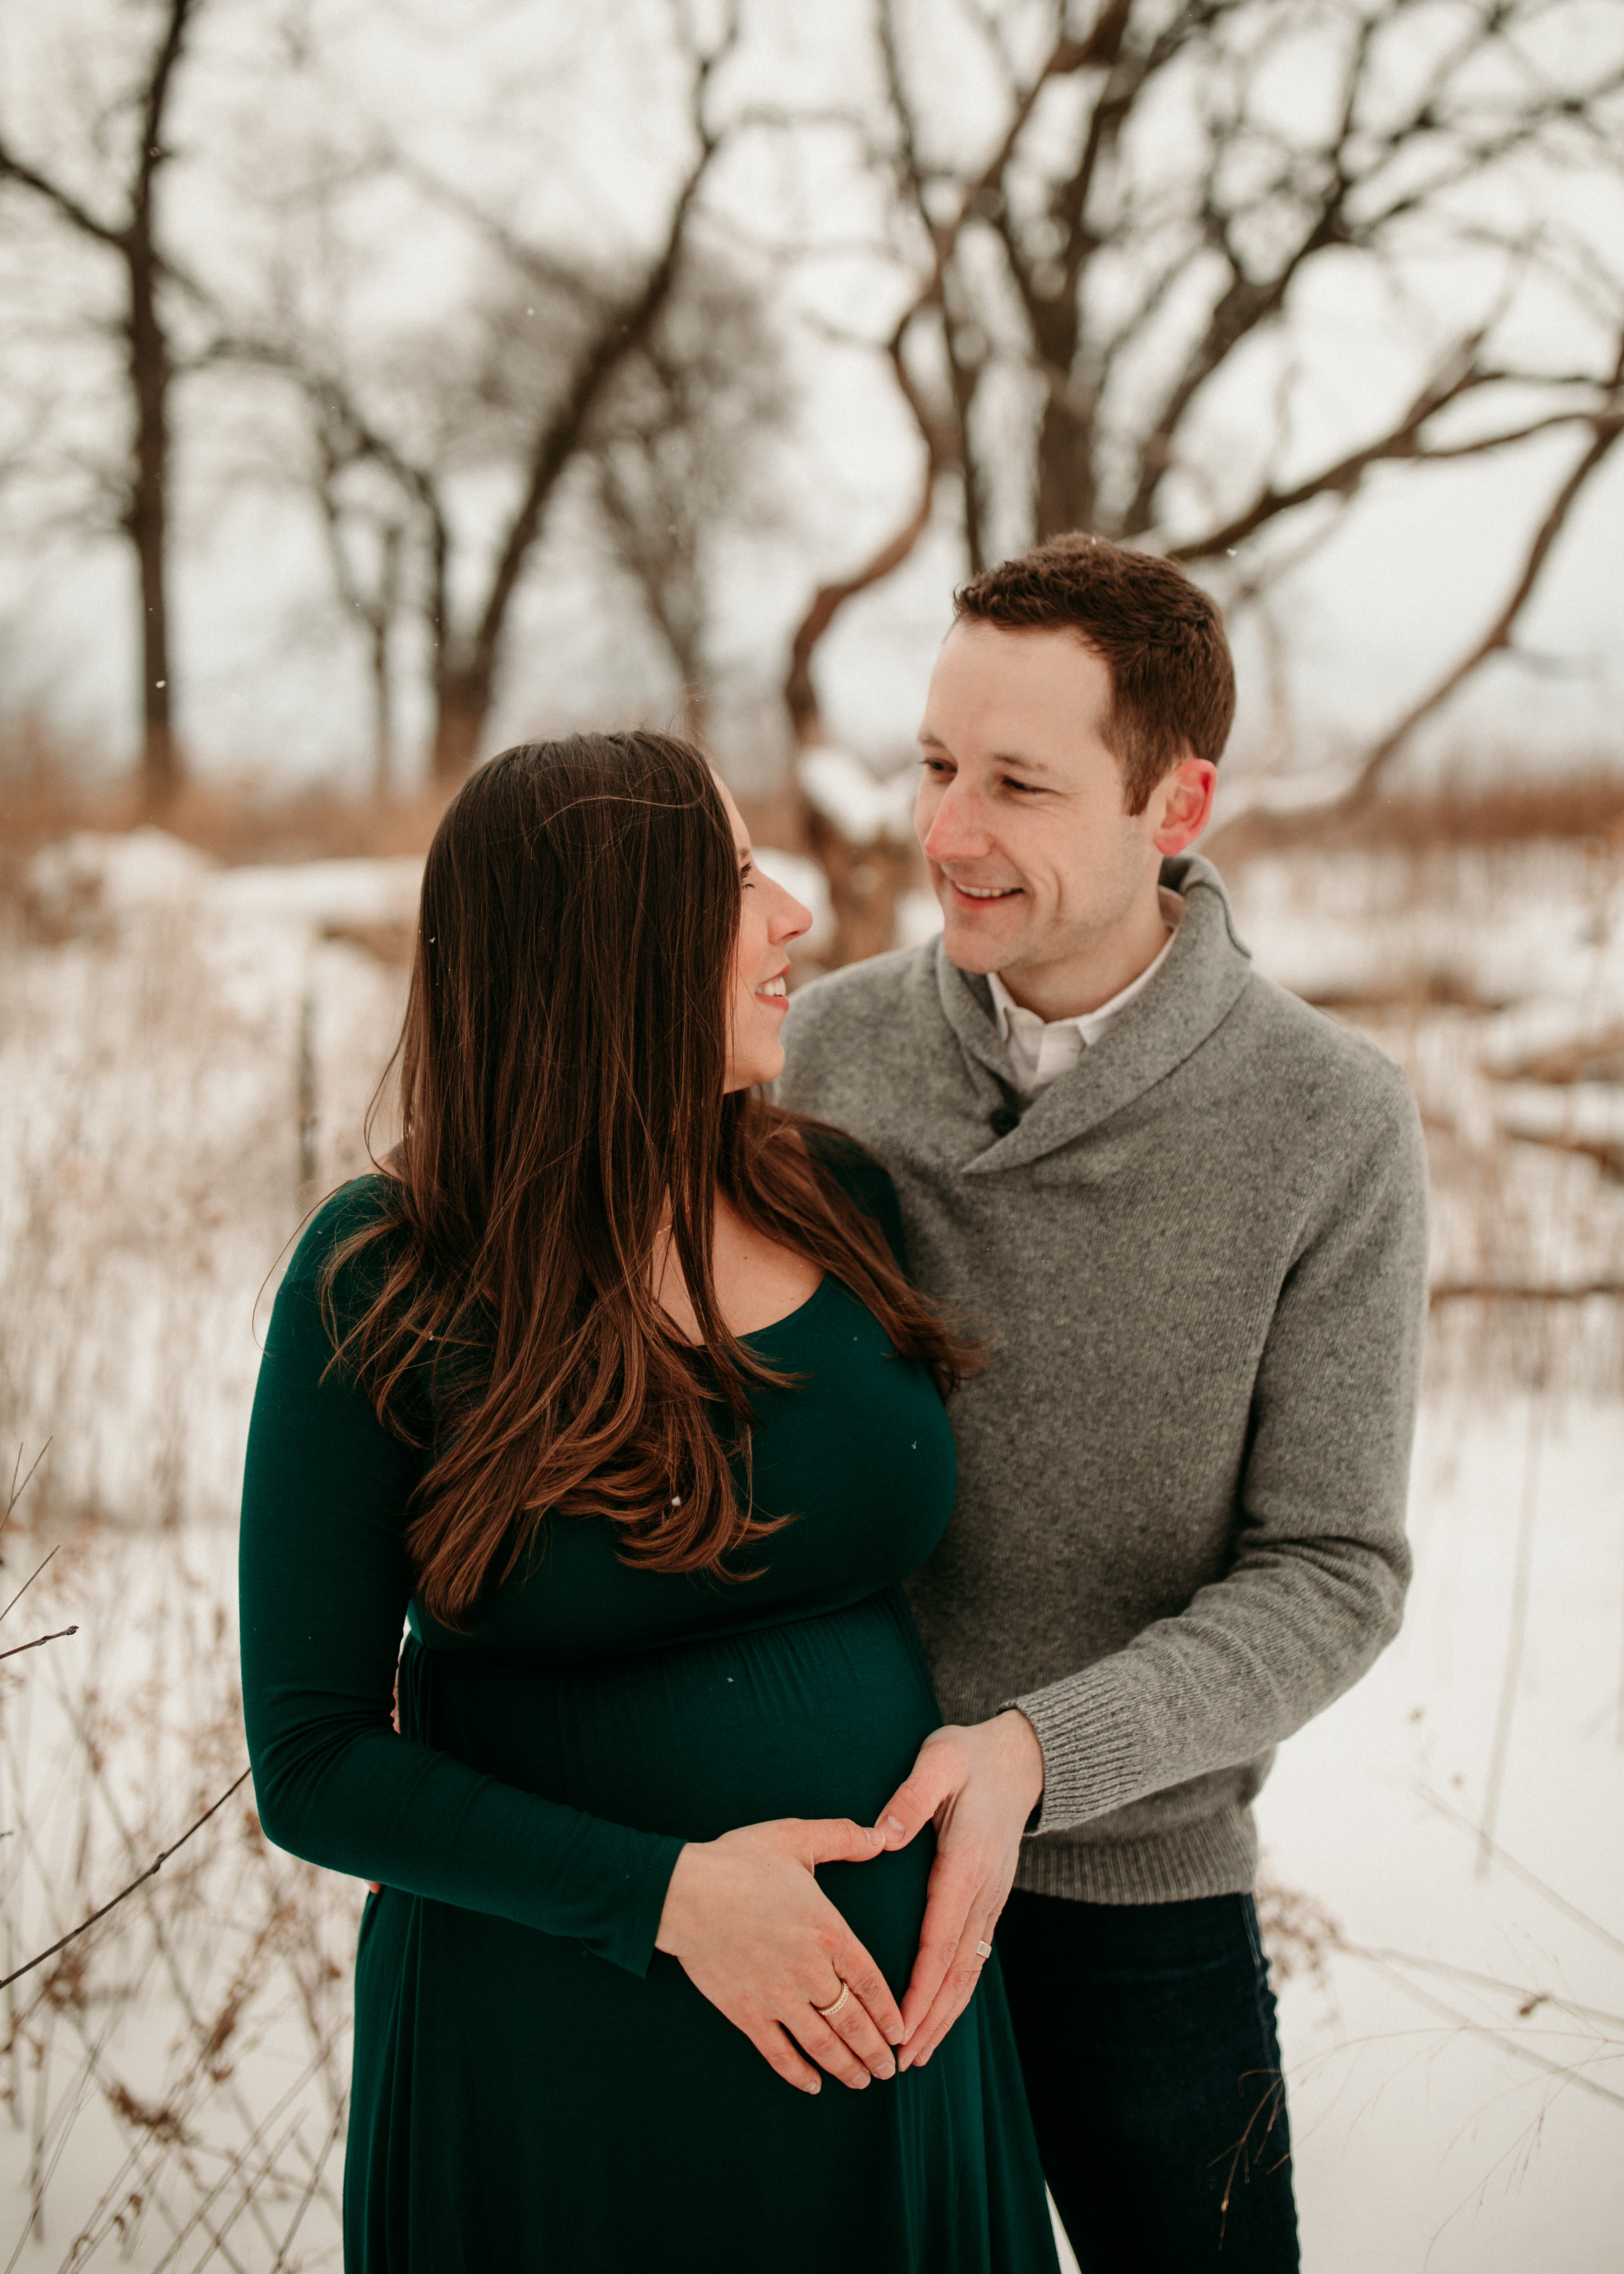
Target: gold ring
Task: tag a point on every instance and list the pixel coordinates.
(983, 1950)
(834, 2006)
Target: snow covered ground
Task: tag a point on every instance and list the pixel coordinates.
(185, 1055)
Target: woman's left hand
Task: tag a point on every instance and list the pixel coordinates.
(979, 1786)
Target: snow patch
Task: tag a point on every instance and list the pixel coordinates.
(841, 788)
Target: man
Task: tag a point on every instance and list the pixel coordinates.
(1189, 1213)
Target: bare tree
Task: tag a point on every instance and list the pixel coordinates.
(676, 454)
(128, 229)
(1131, 251)
(527, 388)
(365, 523)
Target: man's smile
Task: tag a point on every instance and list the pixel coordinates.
(984, 892)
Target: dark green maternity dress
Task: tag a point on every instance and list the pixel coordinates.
(534, 2086)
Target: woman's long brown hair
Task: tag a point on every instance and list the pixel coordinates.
(562, 1063)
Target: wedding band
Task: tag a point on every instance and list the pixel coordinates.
(831, 2010)
(983, 1950)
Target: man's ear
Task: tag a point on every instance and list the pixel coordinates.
(1181, 805)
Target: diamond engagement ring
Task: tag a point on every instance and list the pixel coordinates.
(829, 2011)
(983, 1950)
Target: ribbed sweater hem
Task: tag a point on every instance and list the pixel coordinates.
(1215, 1856)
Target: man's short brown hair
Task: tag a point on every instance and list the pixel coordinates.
(1160, 635)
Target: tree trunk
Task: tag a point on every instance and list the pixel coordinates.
(1067, 497)
(147, 519)
(463, 704)
(392, 539)
(383, 719)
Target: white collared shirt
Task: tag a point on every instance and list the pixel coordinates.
(1041, 1050)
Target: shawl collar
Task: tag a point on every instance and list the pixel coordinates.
(1194, 990)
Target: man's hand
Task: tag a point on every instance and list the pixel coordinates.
(979, 1786)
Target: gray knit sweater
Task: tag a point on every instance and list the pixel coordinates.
(1201, 1255)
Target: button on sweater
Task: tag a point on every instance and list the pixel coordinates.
(1201, 1257)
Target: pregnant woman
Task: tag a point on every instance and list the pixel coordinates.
(612, 1388)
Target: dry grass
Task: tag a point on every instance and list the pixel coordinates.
(173, 2082)
(1583, 808)
(235, 822)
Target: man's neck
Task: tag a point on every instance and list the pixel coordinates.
(1086, 980)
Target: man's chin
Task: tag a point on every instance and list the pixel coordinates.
(976, 946)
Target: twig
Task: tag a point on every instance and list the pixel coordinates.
(29, 1581)
(1517, 1630)
(151, 1871)
(18, 1490)
(39, 1641)
(1521, 1871)
(1530, 2000)
(1565, 2073)
(306, 2199)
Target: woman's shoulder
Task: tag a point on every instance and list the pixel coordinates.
(365, 1204)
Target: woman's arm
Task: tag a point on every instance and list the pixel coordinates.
(323, 1581)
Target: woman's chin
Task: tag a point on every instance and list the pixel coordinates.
(761, 1066)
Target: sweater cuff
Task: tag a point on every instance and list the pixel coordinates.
(627, 1934)
(1089, 1726)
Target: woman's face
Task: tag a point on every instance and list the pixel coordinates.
(768, 919)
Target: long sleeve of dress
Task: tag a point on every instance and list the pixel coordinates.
(324, 1582)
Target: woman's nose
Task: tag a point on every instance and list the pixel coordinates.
(789, 920)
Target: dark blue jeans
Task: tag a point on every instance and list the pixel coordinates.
(1146, 2038)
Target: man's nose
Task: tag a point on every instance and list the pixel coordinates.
(955, 832)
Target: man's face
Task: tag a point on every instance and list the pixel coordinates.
(1020, 813)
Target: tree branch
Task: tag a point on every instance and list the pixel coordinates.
(799, 694)
(152, 153)
(621, 332)
(942, 450)
(16, 169)
(1341, 479)
(1498, 638)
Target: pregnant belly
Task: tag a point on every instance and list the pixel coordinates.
(819, 1717)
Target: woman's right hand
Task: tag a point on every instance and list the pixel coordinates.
(757, 1936)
